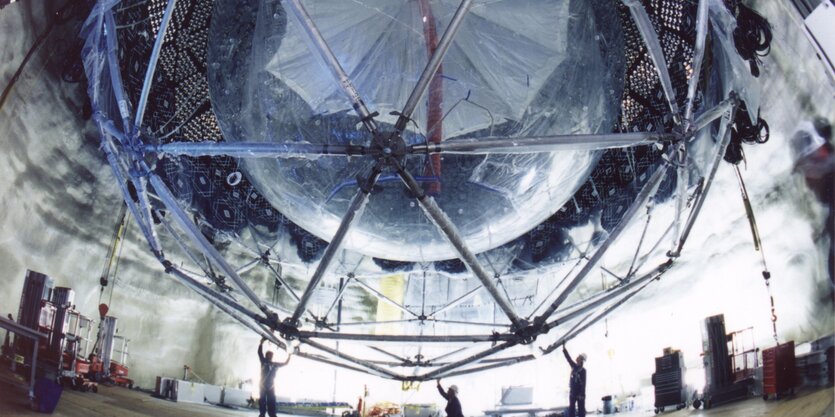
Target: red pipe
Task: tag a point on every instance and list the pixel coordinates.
(434, 114)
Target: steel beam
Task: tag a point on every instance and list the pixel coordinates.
(553, 290)
(683, 181)
(499, 364)
(645, 258)
(389, 354)
(433, 65)
(725, 132)
(112, 156)
(338, 297)
(152, 64)
(574, 332)
(114, 73)
(376, 323)
(406, 338)
(602, 298)
(197, 237)
(254, 149)
(682, 185)
(656, 53)
(535, 144)
(333, 64)
(247, 266)
(446, 355)
(468, 323)
(366, 364)
(698, 58)
(383, 297)
(716, 112)
(325, 360)
(448, 229)
(279, 309)
(284, 283)
(219, 300)
(454, 365)
(141, 185)
(179, 241)
(646, 192)
(355, 209)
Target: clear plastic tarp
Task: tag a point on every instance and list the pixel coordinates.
(243, 135)
(514, 69)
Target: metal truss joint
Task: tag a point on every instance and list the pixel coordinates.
(528, 332)
(288, 328)
(321, 323)
(169, 267)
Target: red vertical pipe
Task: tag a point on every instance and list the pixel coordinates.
(434, 114)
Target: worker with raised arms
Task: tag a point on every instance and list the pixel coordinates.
(453, 406)
(577, 385)
(266, 401)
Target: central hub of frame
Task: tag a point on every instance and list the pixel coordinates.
(386, 146)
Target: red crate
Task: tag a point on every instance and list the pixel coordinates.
(779, 373)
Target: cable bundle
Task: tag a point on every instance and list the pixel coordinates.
(752, 37)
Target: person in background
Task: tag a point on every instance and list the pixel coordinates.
(453, 406)
(814, 158)
(266, 401)
(577, 385)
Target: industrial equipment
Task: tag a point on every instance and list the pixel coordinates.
(779, 372)
(113, 353)
(34, 313)
(720, 385)
(668, 380)
(744, 354)
(65, 344)
(815, 368)
(118, 363)
(62, 301)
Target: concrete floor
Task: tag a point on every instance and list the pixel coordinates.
(109, 401)
(116, 401)
(807, 403)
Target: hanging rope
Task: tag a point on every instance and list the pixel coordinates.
(111, 261)
(749, 213)
(766, 275)
(116, 267)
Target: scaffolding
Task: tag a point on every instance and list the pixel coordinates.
(170, 228)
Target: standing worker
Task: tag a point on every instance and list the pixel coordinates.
(266, 402)
(453, 406)
(577, 385)
(814, 157)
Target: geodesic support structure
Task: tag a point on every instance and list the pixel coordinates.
(129, 152)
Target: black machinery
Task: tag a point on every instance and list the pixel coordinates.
(50, 311)
(721, 384)
(668, 381)
(35, 312)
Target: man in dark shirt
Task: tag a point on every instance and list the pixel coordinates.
(577, 385)
(453, 406)
(266, 402)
